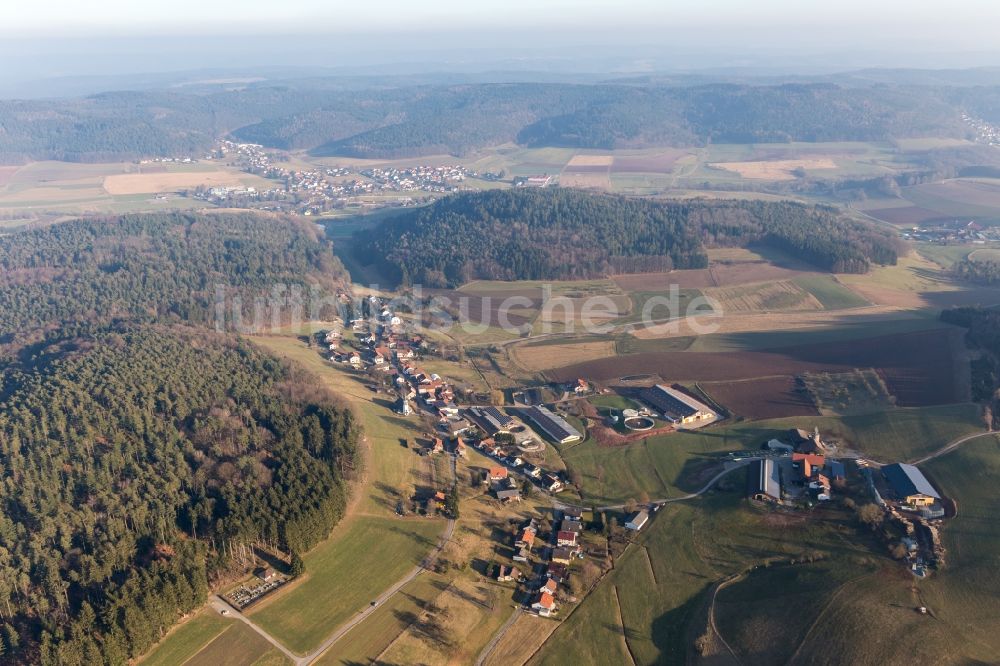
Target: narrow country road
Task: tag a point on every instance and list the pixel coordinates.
(951, 446)
(381, 599)
(223, 607)
(388, 594)
(729, 466)
(488, 650)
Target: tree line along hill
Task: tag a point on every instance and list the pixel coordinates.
(133, 460)
(554, 233)
(141, 449)
(407, 121)
(154, 267)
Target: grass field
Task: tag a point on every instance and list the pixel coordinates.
(830, 293)
(239, 645)
(659, 583)
(674, 464)
(185, 640)
(305, 613)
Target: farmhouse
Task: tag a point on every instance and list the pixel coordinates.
(566, 538)
(491, 420)
(506, 573)
(806, 442)
(510, 495)
(637, 521)
(676, 406)
(910, 485)
(498, 473)
(545, 605)
(555, 426)
(562, 555)
(763, 481)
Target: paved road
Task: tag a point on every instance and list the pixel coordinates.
(488, 650)
(220, 605)
(951, 446)
(728, 467)
(388, 594)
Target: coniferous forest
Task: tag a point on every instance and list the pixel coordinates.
(556, 233)
(142, 452)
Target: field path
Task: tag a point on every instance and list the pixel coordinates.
(488, 650)
(951, 446)
(728, 467)
(222, 606)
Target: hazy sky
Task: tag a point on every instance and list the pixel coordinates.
(46, 39)
(976, 19)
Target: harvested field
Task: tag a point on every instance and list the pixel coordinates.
(781, 295)
(906, 216)
(582, 161)
(149, 183)
(535, 358)
(587, 180)
(690, 279)
(6, 173)
(654, 163)
(775, 169)
(765, 398)
(920, 368)
(487, 308)
(957, 196)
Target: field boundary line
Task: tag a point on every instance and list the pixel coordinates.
(621, 623)
(826, 607)
(649, 561)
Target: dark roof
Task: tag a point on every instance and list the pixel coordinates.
(672, 402)
(907, 480)
(554, 425)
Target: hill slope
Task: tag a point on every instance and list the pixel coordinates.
(159, 266)
(566, 234)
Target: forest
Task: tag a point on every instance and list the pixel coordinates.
(134, 460)
(557, 233)
(162, 266)
(413, 120)
(980, 272)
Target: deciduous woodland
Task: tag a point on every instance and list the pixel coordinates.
(560, 234)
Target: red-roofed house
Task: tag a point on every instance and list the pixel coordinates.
(566, 538)
(545, 605)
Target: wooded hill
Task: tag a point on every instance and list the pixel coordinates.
(556, 233)
(141, 451)
(132, 462)
(153, 267)
(404, 121)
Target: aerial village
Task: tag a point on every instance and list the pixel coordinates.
(317, 190)
(795, 472)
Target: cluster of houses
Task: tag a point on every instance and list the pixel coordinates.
(803, 470)
(312, 191)
(987, 133)
(554, 558)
